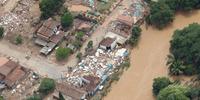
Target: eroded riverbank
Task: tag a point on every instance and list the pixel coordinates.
(148, 61)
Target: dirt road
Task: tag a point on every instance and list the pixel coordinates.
(148, 61)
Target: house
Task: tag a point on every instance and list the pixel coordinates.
(126, 20)
(83, 25)
(49, 35)
(119, 30)
(91, 84)
(11, 72)
(108, 43)
(69, 92)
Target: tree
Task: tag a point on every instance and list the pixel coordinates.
(160, 83)
(79, 56)
(175, 66)
(49, 7)
(160, 14)
(18, 39)
(1, 32)
(185, 45)
(63, 53)
(173, 92)
(66, 19)
(90, 44)
(47, 85)
(1, 98)
(136, 32)
(79, 35)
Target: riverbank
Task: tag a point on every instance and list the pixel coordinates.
(148, 61)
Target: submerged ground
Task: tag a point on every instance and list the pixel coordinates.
(148, 61)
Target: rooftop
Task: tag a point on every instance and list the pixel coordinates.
(107, 41)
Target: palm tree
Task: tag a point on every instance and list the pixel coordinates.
(175, 66)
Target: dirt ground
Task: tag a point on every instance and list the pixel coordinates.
(148, 61)
(79, 8)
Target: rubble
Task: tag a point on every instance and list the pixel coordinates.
(2, 2)
(98, 65)
(16, 19)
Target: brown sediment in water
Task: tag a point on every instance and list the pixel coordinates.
(148, 61)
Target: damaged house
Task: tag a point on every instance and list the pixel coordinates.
(49, 35)
(120, 29)
(11, 72)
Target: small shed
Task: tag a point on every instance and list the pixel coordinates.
(108, 43)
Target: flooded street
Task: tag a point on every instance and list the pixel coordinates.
(148, 61)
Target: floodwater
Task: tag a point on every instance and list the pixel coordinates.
(148, 61)
(79, 8)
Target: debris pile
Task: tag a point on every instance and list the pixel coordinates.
(2, 2)
(18, 17)
(99, 65)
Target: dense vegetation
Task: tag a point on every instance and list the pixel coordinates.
(160, 15)
(47, 85)
(185, 47)
(49, 7)
(135, 35)
(63, 53)
(160, 83)
(162, 12)
(66, 19)
(173, 92)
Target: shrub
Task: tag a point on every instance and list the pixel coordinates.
(63, 53)
(18, 39)
(1, 32)
(173, 92)
(66, 20)
(160, 83)
(47, 85)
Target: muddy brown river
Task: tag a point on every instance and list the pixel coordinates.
(148, 61)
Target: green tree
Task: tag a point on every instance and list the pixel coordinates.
(90, 44)
(175, 66)
(47, 85)
(160, 83)
(49, 7)
(66, 19)
(18, 39)
(160, 14)
(185, 45)
(173, 92)
(79, 56)
(79, 35)
(136, 32)
(1, 98)
(1, 32)
(63, 53)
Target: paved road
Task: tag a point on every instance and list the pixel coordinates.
(52, 70)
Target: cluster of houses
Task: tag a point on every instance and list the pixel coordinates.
(119, 31)
(90, 74)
